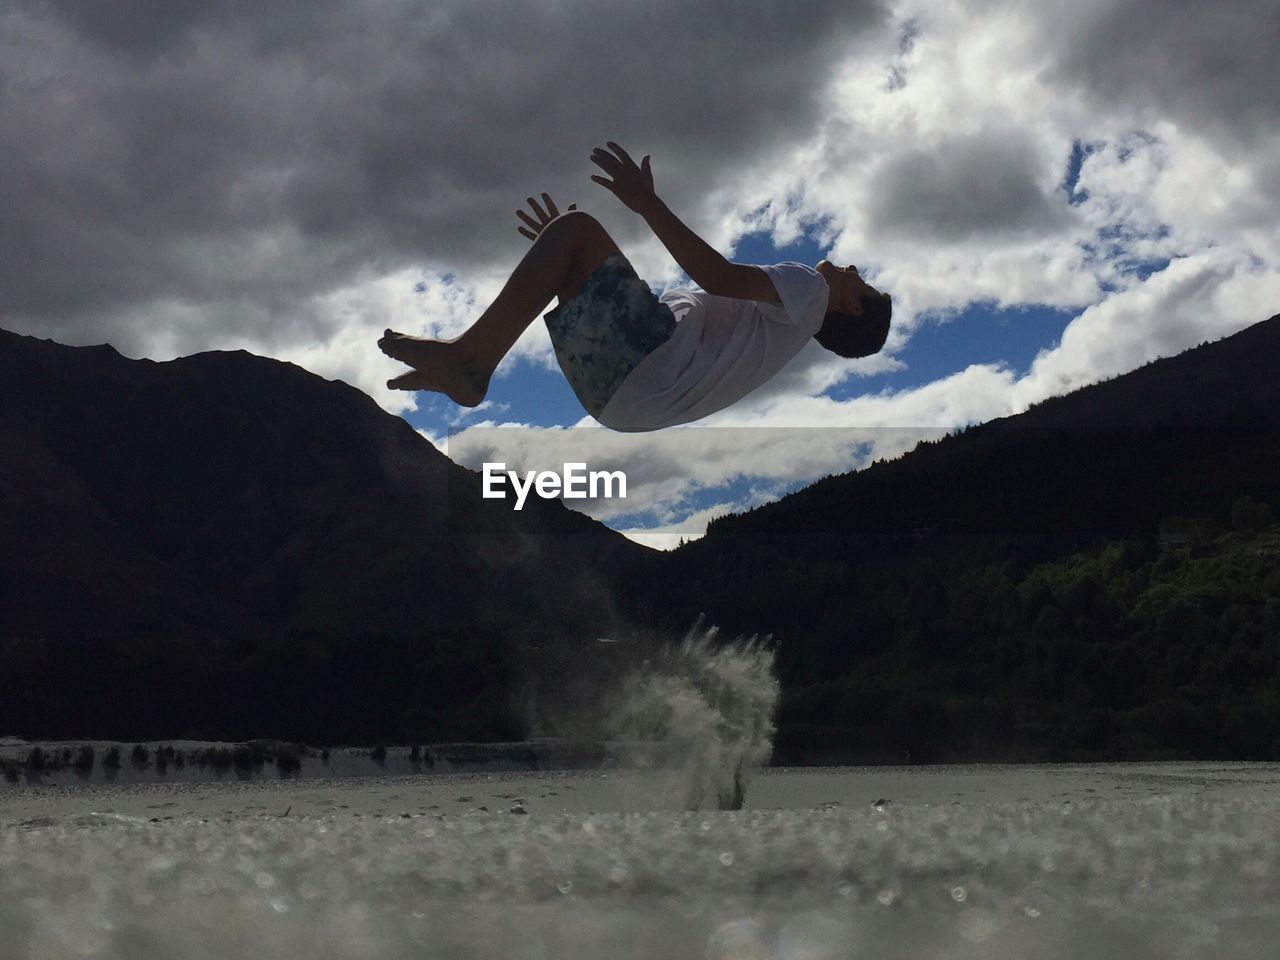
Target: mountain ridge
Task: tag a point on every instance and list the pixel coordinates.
(1232, 374)
(224, 508)
(328, 574)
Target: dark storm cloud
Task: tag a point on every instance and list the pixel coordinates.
(234, 157)
(985, 185)
(146, 29)
(143, 28)
(1210, 66)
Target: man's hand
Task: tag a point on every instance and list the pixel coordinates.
(536, 226)
(631, 184)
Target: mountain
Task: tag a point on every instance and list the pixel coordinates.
(1059, 583)
(227, 547)
(224, 512)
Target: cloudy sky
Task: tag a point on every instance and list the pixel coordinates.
(1053, 194)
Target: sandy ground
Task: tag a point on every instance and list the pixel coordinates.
(633, 791)
(1098, 862)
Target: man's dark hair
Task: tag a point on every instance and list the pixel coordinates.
(850, 336)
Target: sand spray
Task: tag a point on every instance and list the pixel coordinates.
(706, 708)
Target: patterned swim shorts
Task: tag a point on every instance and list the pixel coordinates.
(613, 323)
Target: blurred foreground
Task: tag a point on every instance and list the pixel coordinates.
(1151, 860)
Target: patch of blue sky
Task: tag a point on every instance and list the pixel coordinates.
(421, 285)
(1142, 269)
(524, 392)
(939, 347)
(1118, 234)
(757, 248)
(978, 334)
(1080, 151)
(1116, 244)
(742, 492)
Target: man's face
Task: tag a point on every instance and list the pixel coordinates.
(847, 287)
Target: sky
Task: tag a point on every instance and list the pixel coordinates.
(1054, 194)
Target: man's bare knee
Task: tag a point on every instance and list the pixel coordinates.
(589, 235)
(591, 246)
(577, 222)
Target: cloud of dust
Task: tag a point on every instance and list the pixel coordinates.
(705, 708)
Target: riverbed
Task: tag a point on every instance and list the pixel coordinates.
(1128, 860)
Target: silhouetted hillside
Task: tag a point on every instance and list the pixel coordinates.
(1179, 431)
(984, 593)
(225, 546)
(182, 531)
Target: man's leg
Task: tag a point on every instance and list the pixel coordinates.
(564, 254)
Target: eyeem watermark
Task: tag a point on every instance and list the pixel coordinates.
(574, 482)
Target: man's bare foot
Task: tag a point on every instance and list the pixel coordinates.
(439, 365)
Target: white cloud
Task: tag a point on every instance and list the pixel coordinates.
(238, 159)
(1202, 297)
(799, 437)
(324, 164)
(671, 474)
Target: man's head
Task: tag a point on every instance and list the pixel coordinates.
(858, 315)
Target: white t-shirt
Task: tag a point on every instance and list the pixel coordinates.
(721, 350)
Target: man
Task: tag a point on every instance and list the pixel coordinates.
(636, 361)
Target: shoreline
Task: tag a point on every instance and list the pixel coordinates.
(127, 762)
(220, 761)
(626, 791)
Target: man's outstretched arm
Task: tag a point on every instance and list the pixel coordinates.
(633, 185)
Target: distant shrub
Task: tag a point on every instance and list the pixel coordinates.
(36, 758)
(10, 769)
(261, 751)
(84, 759)
(217, 757)
(415, 754)
(324, 756)
(379, 754)
(166, 755)
(140, 755)
(288, 758)
(242, 756)
(112, 759)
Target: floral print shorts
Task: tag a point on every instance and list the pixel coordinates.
(613, 323)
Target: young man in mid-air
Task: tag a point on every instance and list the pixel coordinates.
(637, 361)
